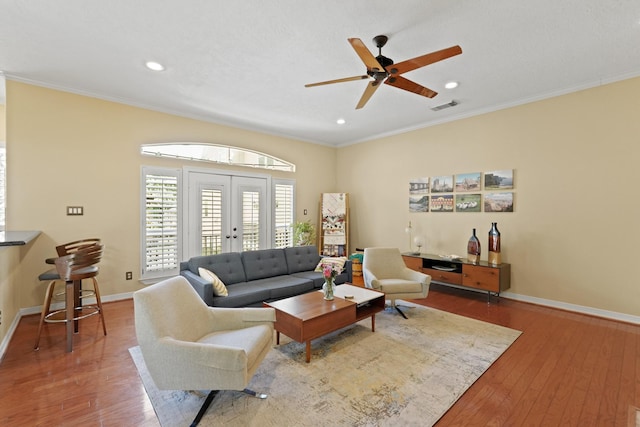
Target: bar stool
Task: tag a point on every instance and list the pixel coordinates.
(72, 268)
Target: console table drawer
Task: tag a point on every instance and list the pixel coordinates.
(413, 262)
(443, 276)
(484, 278)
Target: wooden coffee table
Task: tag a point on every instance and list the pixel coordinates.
(309, 316)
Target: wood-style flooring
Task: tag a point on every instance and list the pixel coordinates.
(566, 369)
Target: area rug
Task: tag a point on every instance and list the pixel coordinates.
(407, 372)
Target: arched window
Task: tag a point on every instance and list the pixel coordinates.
(215, 153)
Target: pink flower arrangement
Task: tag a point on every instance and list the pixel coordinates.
(329, 271)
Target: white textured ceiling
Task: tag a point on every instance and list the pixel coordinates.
(245, 63)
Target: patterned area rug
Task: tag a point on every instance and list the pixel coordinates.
(408, 372)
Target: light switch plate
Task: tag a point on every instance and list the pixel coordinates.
(75, 210)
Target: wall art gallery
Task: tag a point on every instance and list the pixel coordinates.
(490, 191)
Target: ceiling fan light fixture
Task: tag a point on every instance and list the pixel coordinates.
(154, 66)
(451, 85)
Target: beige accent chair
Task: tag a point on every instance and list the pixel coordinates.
(385, 271)
(188, 345)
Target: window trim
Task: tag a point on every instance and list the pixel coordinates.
(180, 174)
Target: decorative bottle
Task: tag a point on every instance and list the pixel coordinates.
(494, 244)
(473, 248)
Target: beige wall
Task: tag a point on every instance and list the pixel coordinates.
(574, 234)
(66, 149)
(569, 239)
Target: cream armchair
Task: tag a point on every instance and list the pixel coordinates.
(188, 345)
(384, 270)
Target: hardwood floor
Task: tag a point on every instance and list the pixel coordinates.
(95, 385)
(566, 369)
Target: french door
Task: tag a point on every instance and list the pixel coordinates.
(225, 213)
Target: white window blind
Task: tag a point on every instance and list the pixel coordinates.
(211, 233)
(250, 220)
(283, 215)
(161, 217)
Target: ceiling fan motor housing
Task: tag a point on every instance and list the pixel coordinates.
(381, 74)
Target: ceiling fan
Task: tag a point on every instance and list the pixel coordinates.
(382, 69)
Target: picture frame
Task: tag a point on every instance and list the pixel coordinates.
(419, 203)
(498, 202)
(441, 203)
(468, 182)
(469, 202)
(498, 180)
(419, 185)
(442, 184)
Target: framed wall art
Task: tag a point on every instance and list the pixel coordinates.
(419, 186)
(441, 203)
(419, 203)
(498, 180)
(467, 182)
(442, 184)
(498, 202)
(468, 203)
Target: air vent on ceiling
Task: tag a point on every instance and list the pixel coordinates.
(443, 106)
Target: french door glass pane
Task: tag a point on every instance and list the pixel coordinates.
(211, 221)
(250, 220)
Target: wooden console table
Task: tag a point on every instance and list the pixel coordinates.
(482, 276)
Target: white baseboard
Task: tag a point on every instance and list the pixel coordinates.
(4, 345)
(38, 309)
(614, 315)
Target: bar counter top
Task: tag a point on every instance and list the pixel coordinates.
(17, 238)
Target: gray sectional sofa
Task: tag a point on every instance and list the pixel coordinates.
(253, 277)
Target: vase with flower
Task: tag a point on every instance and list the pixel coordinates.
(329, 272)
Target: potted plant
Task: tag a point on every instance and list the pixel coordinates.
(304, 233)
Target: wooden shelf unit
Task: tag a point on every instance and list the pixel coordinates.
(481, 276)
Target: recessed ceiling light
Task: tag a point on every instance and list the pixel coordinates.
(451, 85)
(154, 66)
(341, 121)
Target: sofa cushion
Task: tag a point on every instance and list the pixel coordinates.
(227, 266)
(318, 278)
(264, 263)
(285, 286)
(242, 295)
(301, 258)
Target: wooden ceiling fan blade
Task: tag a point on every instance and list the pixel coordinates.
(365, 55)
(408, 85)
(346, 79)
(421, 61)
(368, 92)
